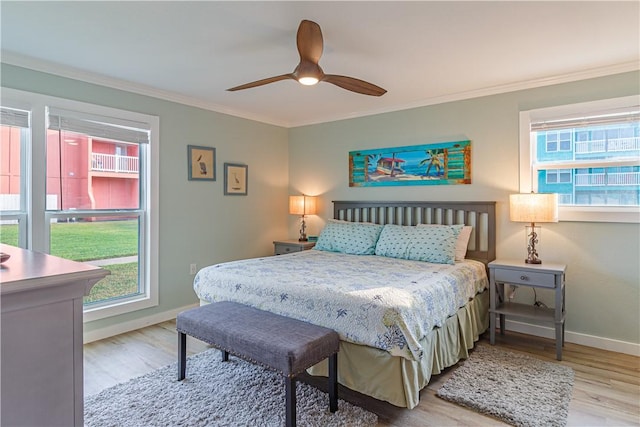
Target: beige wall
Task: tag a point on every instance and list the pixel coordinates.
(603, 297)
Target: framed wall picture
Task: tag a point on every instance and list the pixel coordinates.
(235, 179)
(201, 163)
(444, 163)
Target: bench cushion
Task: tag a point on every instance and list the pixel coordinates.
(287, 345)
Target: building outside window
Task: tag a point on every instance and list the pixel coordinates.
(606, 186)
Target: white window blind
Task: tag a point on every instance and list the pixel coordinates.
(593, 119)
(13, 117)
(114, 129)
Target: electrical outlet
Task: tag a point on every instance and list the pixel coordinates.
(192, 269)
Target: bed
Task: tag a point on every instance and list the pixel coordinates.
(404, 310)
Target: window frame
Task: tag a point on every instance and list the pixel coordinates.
(38, 218)
(615, 214)
(20, 215)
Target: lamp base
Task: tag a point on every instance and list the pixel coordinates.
(303, 231)
(532, 253)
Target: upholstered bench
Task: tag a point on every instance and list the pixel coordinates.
(286, 345)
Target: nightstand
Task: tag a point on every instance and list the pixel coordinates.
(281, 247)
(511, 272)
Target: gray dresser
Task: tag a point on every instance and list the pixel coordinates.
(41, 300)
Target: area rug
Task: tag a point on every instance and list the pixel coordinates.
(215, 393)
(515, 388)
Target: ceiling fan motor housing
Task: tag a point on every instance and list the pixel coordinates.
(306, 70)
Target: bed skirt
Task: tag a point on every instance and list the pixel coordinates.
(398, 380)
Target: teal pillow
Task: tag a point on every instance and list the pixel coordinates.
(431, 244)
(356, 238)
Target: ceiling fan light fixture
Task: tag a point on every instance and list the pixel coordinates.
(308, 81)
(308, 72)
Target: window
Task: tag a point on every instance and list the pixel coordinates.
(15, 128)
(558, 141)
(558, 176)
(93, 196)
(587, 153)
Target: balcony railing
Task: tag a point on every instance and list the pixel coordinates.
(609, 179)
(610, 145)
(113, 163)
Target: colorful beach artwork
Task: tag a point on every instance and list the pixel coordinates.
(443, 163)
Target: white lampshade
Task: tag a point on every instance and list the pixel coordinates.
(302, 205)
(533, 207)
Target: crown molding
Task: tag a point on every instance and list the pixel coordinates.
(57, 69)
(495, 90)
(61, 70)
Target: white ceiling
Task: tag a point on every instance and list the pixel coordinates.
(421, 52)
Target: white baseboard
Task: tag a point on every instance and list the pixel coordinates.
(575, 337)
(511, 325)
(132, 325)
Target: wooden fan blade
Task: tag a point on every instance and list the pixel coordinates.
(354, 85)
(262, 82)
(309, 41)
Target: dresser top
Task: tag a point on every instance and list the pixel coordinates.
(26, 270)
(514, 264)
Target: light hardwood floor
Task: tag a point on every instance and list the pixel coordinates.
(606, 390)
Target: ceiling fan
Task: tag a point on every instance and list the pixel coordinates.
(308, 72)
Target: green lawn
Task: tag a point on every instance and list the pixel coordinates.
(9, 234)
(123, 281)
(87, 241)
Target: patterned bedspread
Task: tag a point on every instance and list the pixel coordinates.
(376, 301)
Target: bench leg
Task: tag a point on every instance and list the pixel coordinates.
(225, 356)
(333, 382)
(182, 356)
(290, 391)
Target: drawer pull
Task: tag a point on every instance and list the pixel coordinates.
(525, 277)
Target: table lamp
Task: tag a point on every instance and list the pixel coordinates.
(302, 205)
(533, 207)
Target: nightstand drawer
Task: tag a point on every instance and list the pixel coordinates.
(514, 277)
(281, 247)
(285, 249)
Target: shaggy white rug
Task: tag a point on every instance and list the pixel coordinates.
(515, 388)
(215, 393)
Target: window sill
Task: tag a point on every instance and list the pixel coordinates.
(600, 214)
(115, 308)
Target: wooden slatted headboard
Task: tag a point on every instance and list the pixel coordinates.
(480, 215)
